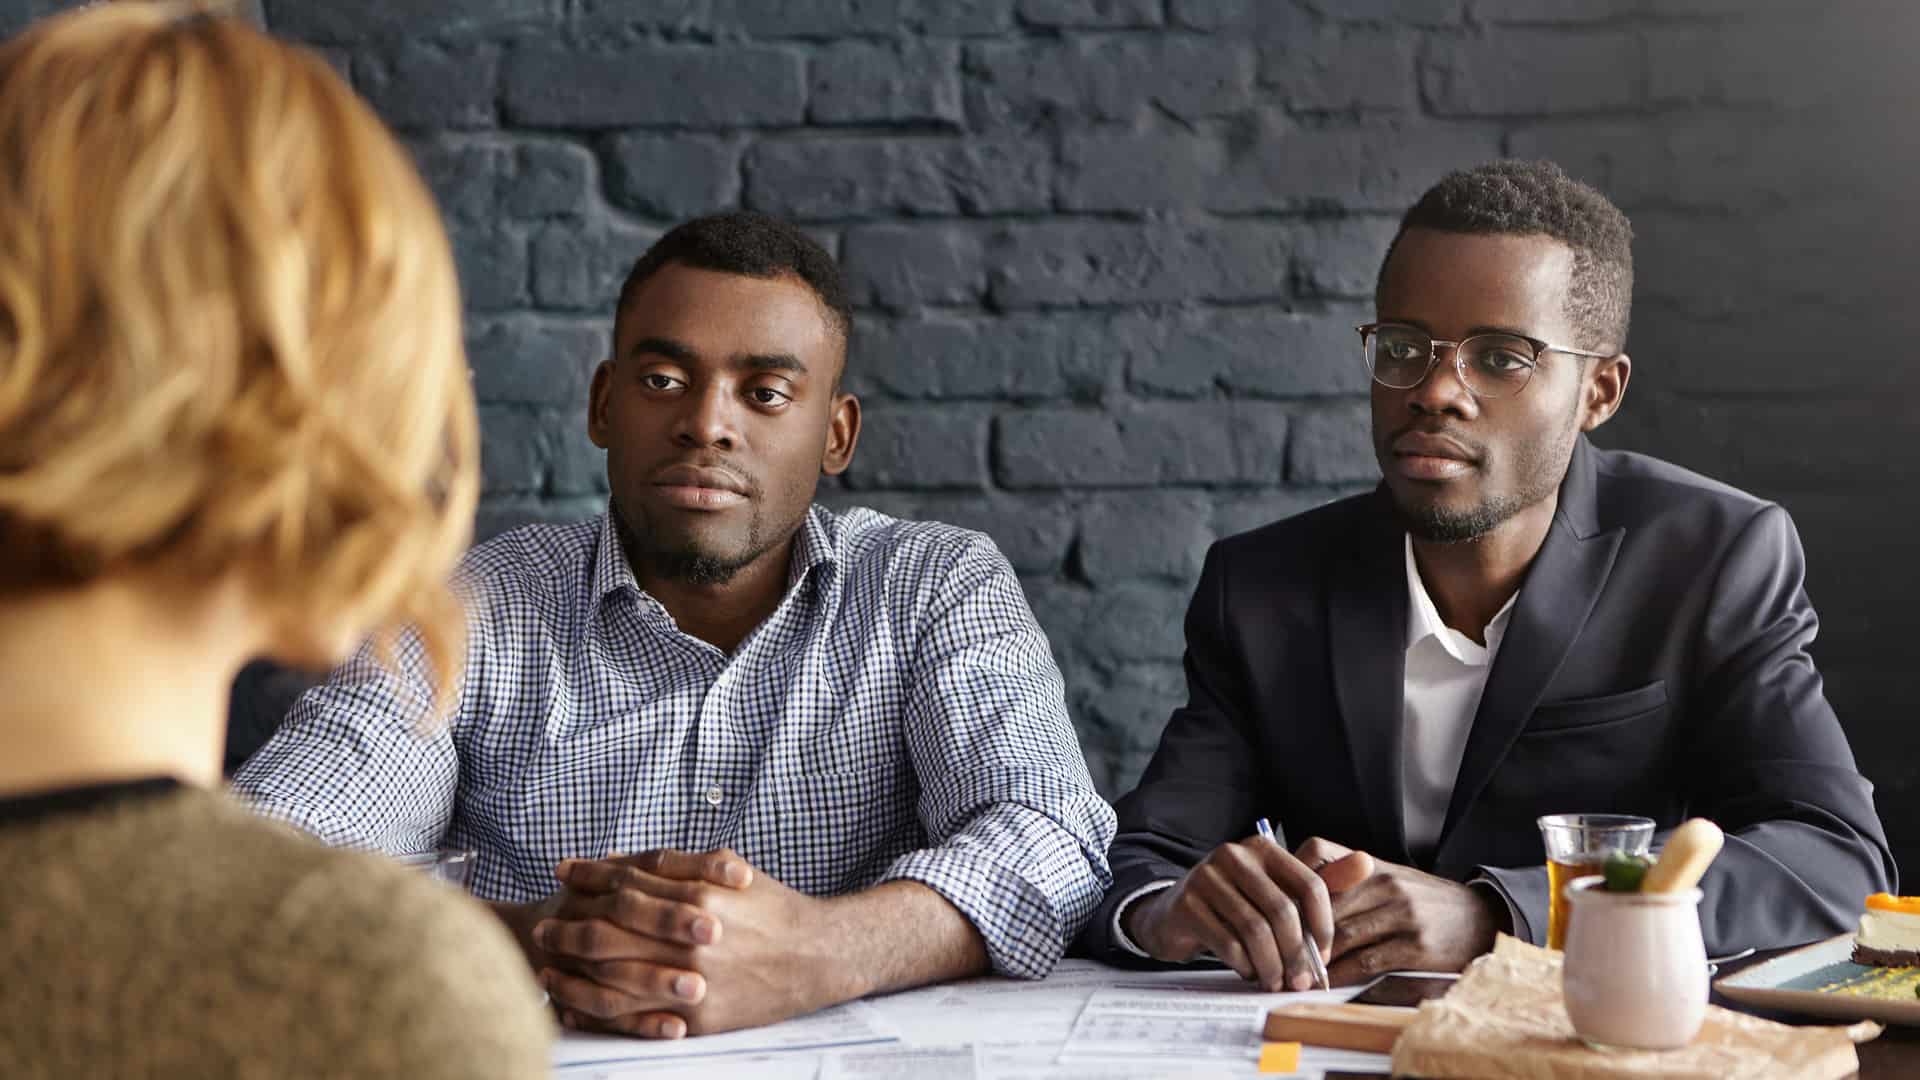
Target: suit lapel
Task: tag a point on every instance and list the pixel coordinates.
(1367, 624)
(1555, 600)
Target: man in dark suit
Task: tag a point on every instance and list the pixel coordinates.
(1515, 623)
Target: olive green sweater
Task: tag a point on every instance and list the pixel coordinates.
(173, 934)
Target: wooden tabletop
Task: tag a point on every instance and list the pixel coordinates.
(1895, 1054)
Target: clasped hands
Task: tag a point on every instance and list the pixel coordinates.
(1251, 902)
(666, 943)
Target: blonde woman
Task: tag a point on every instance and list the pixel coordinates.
(234, 420)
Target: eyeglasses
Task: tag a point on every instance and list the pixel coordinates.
(1490, 365)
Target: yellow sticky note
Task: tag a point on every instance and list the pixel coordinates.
(1280, 1057)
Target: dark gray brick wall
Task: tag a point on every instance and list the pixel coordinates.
(1109, 253)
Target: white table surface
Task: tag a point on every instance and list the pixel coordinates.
(993, 1029)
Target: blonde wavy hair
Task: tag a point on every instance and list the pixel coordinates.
(229, 332)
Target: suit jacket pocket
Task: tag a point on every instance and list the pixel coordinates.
(1558, 716)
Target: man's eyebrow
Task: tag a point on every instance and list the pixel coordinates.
(1471, 331)
(1507, 330)
(659, 346)
(773, 362)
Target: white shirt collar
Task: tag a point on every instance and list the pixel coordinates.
(1423, 621)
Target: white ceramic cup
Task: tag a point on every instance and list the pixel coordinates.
(1636, 968)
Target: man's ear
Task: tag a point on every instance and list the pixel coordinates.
(597, 394)
(843, 431)
(1604, 388)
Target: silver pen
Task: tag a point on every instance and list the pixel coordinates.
(1313, 947)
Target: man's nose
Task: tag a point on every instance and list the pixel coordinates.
(707, 418)
(1443, 391)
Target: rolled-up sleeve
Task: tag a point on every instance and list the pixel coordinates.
(360, 760)
(1018, 833)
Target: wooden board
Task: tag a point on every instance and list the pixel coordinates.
(1345, 1027)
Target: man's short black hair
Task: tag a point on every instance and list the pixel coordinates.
(1527, 198)
(752, 245)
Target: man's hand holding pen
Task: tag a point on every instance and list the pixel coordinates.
(1246, 902)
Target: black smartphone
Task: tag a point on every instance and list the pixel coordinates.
(1405, 989)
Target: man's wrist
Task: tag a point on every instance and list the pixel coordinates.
(1137, 917)
(1500, 910)
(520, 919)
(835, 941)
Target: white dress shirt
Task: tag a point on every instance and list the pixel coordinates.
(1446, 674)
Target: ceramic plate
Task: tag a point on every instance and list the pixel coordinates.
(1821, 980)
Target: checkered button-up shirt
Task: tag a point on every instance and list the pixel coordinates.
(899, 716)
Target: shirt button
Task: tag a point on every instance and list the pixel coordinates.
(715, 796)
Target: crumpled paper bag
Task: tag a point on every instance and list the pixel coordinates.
(1505, 1019)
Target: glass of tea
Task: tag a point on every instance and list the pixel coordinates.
(449, 864)
(1577, 846)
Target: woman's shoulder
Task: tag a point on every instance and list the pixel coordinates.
(414, 977)
(215, 942)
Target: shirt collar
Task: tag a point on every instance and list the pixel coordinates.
(1423, 621)
(813, 547)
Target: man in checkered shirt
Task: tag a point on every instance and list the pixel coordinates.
(727, 757)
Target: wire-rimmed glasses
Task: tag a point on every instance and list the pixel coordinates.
(1492, 365)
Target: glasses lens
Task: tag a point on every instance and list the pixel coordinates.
(1397, 356)
(1496, 365)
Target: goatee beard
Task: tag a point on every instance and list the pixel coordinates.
(681, 565)
(691, 567)
(1439, 525)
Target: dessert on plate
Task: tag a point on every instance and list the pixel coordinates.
(1889, 932)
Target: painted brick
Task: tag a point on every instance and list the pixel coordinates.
(1556, 11)
(672, 16)
(502, 513)
(814, 178)
(513, 451)
(892, 82)
(1145, 535)
(1341, 258)
(901, 266)
(952, 358)
(464, 174)
(578, 468)
(551, 179)
(493, 266)
(579, 267)
(902, 447)
(534, 360)
(1383, 168)
(829, 19)
(1107, 14)
(1245, 353)
(673, 176)
(1218, 14)
(1535, 72)
(1130, 623)
(1141, 446)
(722, 86)
(1107, 79)
(388, 20)
(1054, 265)
(1333, 445)
(420, 85)
(1235, 515)
(1121, 723)
(1413, 12)
(1343, 69)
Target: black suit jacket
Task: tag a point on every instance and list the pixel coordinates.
(1655, 663)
